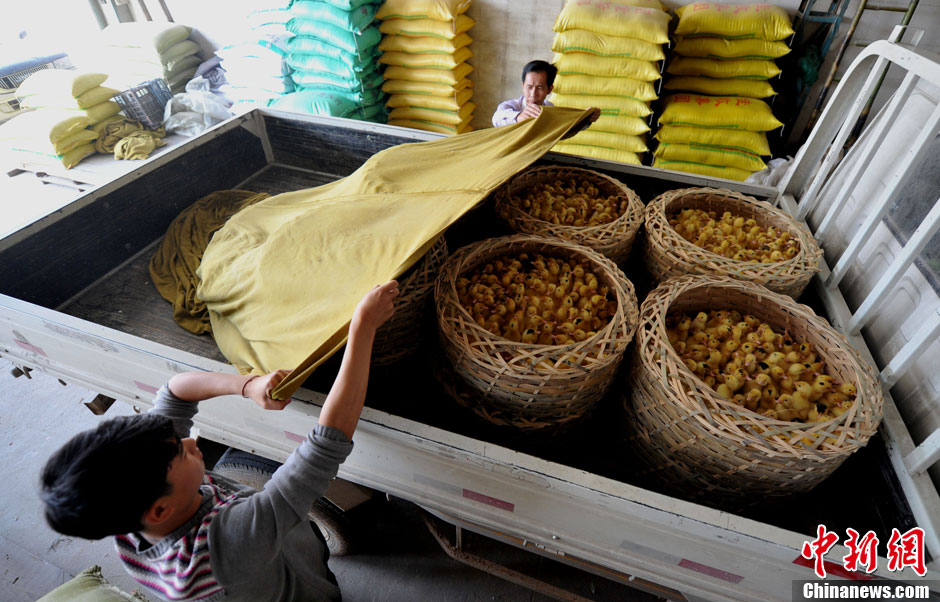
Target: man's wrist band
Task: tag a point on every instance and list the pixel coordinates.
(244, 386)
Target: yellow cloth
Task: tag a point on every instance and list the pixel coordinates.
(137, 145)
(128, 139)
(282, 277)
(173, 266)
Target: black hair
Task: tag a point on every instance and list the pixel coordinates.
(541, 67)
(103, 480)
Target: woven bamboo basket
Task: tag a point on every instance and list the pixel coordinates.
(668, 254)
(613, 239)
(695, 443)
(529, 386)
(396, 338)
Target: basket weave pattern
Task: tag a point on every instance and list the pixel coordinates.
(397, 337)
(531, 386)
(613, 239)
(696, 443)
(668, 254)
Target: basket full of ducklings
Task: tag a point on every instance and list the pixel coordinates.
(739, 393)
(722, 232)
(573, 204)
(533, 328)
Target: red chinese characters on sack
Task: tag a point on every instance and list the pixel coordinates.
(862, 552)
(815, 550)
(907, 550)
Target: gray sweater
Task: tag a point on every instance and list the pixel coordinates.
(242, 544)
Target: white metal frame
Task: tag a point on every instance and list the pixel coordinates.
(810, 181)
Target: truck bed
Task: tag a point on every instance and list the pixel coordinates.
(126, 300)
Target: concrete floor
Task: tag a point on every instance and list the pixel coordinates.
(398, 559)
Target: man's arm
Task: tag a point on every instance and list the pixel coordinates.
(506, 112)
(199, 386)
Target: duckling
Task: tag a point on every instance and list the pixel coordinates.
(821, 385)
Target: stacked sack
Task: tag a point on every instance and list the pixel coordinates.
(332, 56)
(607, 55)
(426, 47)
(72, 109)
(133, 53)
(255, 62)
(727, 52)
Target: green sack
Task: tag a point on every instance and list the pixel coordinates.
(371, 80)
(351, 20)
(318, 62)
(350, 42)
(316, 102)
(309, 45)
(365, 97)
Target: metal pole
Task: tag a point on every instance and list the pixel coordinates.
(821, 99)
(99, 14)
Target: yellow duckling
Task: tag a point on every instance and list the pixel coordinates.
(821, 385)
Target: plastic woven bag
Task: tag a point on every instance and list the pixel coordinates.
(195, 110)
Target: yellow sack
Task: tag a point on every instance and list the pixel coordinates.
(597, 152)
(448, 103)
(99, 127)
(426, 61)
(710, 155)
(712, 171)
(73, 157)
(59, 82)
(609, 105)
(751, 88)
(621, 87)
(101, 111)
(610, 18)
(431, 76)
(439, 10)
(720, 48)
(753, 142)
(445, 116)
(579, 63)
(588, 42)
(729, 112)
(630, 126)
(268, 311)
(70, 142)
(96, 95)
(424, 45)
(403, 86)
(434, 126)
(723, 68)
(413, 28)
(734, 21)
(633, 144)
(644, 3)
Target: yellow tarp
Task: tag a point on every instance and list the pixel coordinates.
(282, 277)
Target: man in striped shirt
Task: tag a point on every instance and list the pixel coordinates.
(190, 535)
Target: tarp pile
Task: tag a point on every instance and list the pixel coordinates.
(332, 56)
(724, 58)
(426, 47)
(608, 56)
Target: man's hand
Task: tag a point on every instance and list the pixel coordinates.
(529, 112)
(259, 389)
(594, 114)
(376, 307)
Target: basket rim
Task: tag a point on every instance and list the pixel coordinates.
(527, 239)
(634, 212)
(806, 259)
(672, 289)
